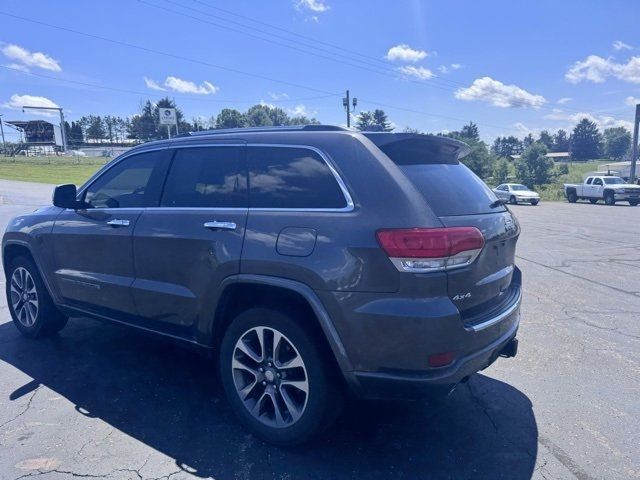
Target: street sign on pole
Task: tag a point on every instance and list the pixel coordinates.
(168, 117)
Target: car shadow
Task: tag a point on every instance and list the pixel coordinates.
(166, 396)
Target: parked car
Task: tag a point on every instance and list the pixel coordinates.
(608, 188)
(312, 261)
(516, 193)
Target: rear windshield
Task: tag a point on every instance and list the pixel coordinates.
(519, 188)
(448, 186)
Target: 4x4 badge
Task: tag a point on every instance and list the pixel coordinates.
(462, 296)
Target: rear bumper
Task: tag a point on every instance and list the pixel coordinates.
(391, 345)
(441, 382)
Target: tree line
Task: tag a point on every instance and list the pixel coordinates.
(145, 125)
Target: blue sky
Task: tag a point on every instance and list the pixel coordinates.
(512, 67)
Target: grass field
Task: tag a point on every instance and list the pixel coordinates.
(50, 169)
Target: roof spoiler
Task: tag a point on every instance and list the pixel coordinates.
(436, 144)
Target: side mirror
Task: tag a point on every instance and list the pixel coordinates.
(64, 196)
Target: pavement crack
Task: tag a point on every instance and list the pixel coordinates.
(24, 410)
(60, 472)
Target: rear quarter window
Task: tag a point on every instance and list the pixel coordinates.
(289, 177)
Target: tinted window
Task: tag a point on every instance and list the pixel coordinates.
(134, 182)
(448, 186)
(287, 177)
(597, 181)
(589, 180)
(206, 177)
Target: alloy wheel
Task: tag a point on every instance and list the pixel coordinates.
(270, 377)
(24, 297)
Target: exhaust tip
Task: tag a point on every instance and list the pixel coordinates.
(510, 350)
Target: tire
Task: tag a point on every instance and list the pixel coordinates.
(634, 203)
(534, 202)
(572, 197)
(312, 412)
(33, 312)
(593, 200)
(512, 200)
(609, 199)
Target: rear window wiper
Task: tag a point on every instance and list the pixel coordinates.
(498, 203)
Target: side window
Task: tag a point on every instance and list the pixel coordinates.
(589, 180)
(289, 177)
(135, 182)
(207, 177)
(597, 181)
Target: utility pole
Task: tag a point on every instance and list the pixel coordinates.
(4, 145)
(347, 104)
(634, 148)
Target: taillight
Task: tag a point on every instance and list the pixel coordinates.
(431, 249)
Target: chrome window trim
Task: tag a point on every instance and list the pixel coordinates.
(350, 206)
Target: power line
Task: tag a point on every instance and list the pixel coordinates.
(149, 94)
(445, 84)
(167, 54)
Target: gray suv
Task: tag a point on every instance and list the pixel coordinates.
(312, 261)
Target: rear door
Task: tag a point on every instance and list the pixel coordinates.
(93, 246)
(460, 199)
(185, 248)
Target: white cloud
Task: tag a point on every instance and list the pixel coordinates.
(153, 85)
(603, 121)
(317, 6)
(16, 102)
(447, 69)
(597, 69)
(417, 72)
(301, 111)
(26, 58)
(18, 66)
(404, 53)
(278, 96)
(633, 101)
(619, 45)
(180, 85)
(486, 89)
(564, 100)
(522, 130)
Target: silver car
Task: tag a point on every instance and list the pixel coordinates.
(515, 193)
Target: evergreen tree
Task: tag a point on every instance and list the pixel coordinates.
(586, 141)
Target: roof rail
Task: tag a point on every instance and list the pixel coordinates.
(292, 128)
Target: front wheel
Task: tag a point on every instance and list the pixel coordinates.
(278, 382)
(30, 304)
(609, 199)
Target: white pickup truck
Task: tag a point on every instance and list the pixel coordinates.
(608, 188)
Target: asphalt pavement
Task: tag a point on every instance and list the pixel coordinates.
(103, 401)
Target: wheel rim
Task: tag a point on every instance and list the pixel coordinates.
(24, 297)
(270, 377)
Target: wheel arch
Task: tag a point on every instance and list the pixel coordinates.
(244, 291)
(15, 248)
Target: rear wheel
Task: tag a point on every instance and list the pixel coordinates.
(512, 200)
(277, 380)
(633, 203)
(572, 197)
(609, 199)
(30, 304)
(593, 200)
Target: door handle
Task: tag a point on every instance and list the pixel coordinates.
(215, 225)
(116, 222)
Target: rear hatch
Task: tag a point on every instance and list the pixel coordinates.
(460, 199)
